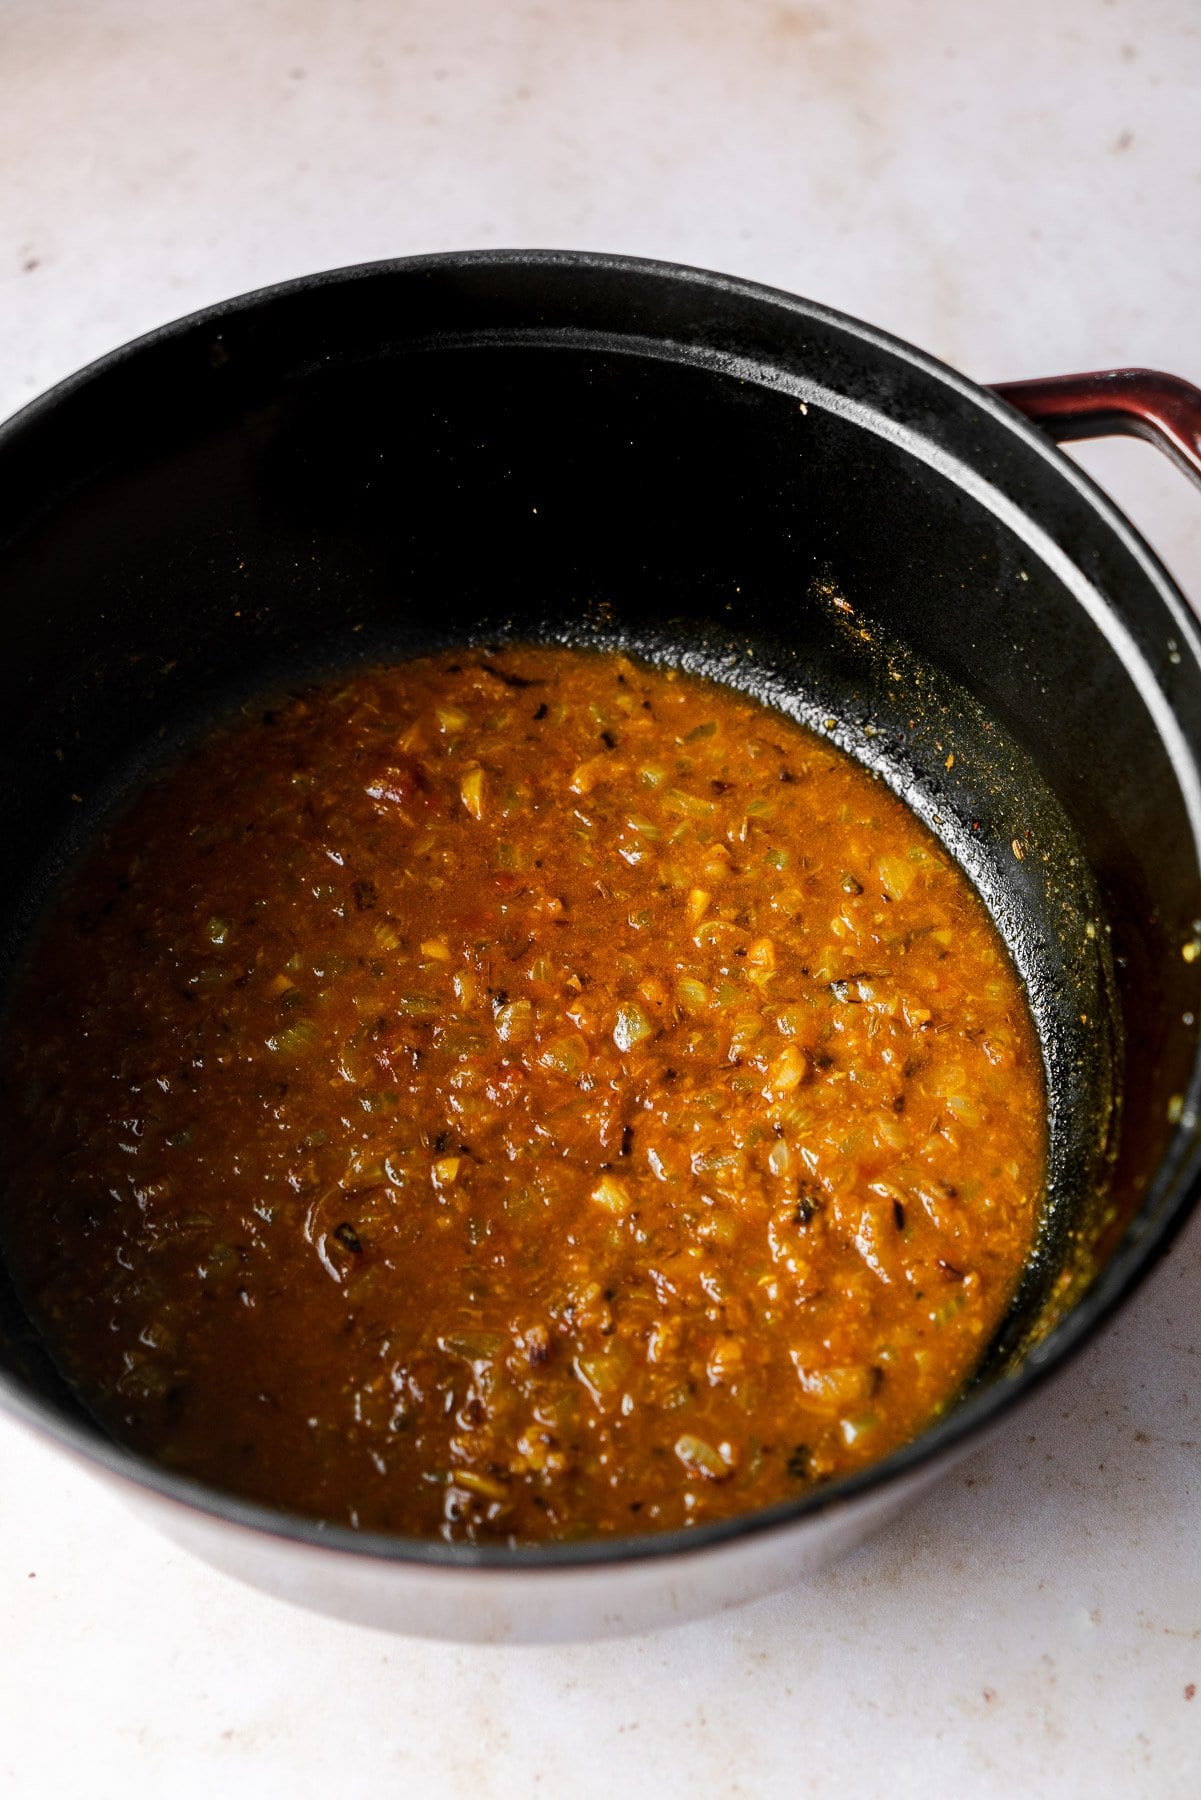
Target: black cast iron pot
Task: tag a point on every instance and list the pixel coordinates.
(536, 445)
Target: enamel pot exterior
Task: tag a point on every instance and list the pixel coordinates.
(515, 445)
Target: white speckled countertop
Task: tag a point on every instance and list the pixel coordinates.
(1017, 189)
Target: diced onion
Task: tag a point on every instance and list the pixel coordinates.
(631, 1027)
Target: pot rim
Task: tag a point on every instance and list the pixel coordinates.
(1171, 1195)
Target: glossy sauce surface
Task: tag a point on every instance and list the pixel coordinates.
(519, 1096)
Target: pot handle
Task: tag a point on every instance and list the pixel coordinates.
(1135, 402)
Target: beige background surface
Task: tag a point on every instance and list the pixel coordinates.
(1018, 190)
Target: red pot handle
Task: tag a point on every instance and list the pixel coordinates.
(1136, 402)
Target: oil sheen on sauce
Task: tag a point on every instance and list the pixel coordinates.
(515, 1097)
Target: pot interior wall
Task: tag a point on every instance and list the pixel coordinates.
(246, 503)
